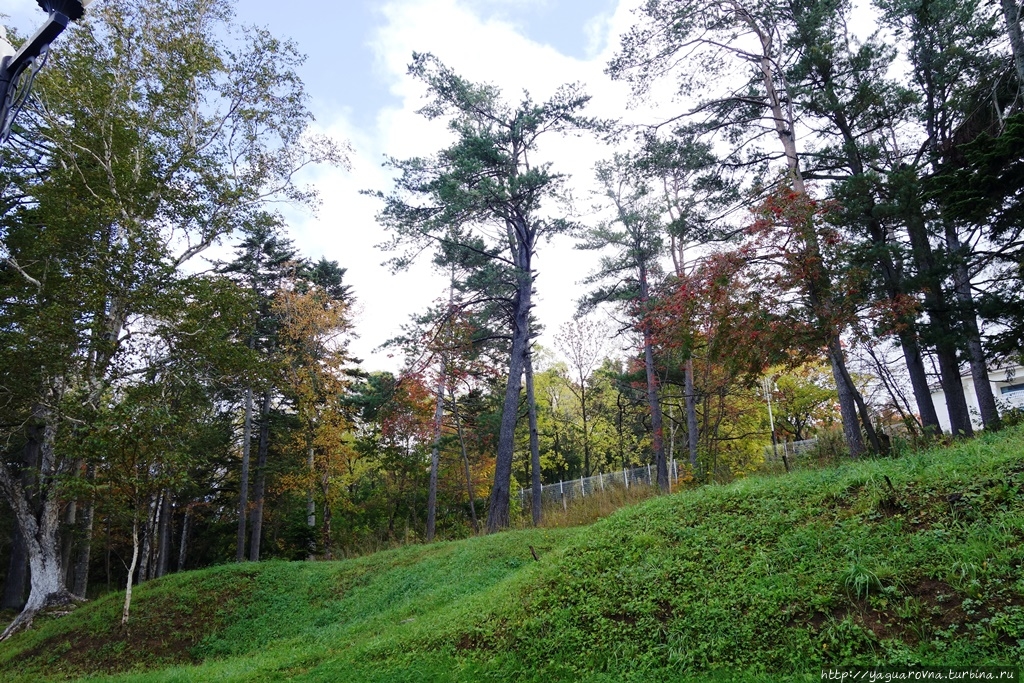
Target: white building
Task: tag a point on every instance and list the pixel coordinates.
(1007, 386)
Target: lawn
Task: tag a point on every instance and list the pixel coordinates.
(915, 560)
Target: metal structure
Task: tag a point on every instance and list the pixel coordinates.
(564, 491)
(790, 449)
(18, 69)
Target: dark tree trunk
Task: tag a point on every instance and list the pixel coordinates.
(325, 530)
(653, 400)
(435, 454)
(81, 578)
(862, 408)
(310, 501)
(108, 549)
(259, 489)
(692, 433)
(972, 334)
(587, 469)
(914, 360)
(942, 323)
(891, 276)
(619, 429)
(465, 463)
(953, 388)
(531, 403)
(851, 428)
(498, 510)
(908, 332)
(17, 573)
(243, 494)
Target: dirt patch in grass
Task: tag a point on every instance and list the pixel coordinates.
(940, 608)
(482, 641)
(163, 631)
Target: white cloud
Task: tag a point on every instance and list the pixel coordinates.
(488, 50)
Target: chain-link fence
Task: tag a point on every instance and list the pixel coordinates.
(564, 491)
(647, 475)
(788, 449)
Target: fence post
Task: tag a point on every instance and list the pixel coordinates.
(649, 482)
(601, 477)
(625, 477)
(561, 492)
(583, 489)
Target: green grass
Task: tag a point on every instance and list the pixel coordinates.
(765, 579)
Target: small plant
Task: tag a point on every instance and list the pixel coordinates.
(859, 581)
(1012, 417)
(963, 571)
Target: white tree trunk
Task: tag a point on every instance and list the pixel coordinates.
(131, 570)
(40, 530)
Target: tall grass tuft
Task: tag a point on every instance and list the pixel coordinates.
(590, 508)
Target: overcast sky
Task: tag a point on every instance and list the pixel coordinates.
(358, 51)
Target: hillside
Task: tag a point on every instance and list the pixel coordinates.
(915, 560)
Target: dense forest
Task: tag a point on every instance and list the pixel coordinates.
(829, 222)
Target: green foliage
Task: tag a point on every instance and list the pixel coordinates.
(804, 398)
(157, 130)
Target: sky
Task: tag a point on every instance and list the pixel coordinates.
(355, 74)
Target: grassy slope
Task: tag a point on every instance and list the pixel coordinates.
(765, 579)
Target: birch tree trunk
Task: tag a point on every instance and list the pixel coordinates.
(186, 522)
(145, 557)
(164, 536)
(1011, 17)
(38, 518)
(131, 570)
